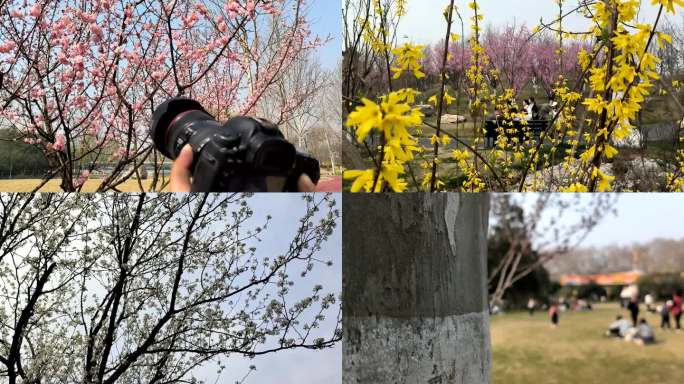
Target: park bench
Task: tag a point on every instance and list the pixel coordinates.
(514, 128)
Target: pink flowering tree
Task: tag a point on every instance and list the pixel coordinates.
(547, 68)
(516, 54)
(81, 79)
(509, 50)
(458, 60)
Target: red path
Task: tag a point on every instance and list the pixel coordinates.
(333, 184)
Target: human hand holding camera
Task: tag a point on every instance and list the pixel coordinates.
(181, 173)
(243, 155)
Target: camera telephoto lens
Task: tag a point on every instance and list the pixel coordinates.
(243, 155)
(165, 122)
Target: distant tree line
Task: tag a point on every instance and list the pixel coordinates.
(662, 285)
(656, 256)
(18, 159)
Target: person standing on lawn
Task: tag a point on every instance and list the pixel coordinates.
(677, 309)
(531, 305)
(553, 314)
(665, 315)
(633, 308)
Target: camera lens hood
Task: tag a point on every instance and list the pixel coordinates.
(164, 115)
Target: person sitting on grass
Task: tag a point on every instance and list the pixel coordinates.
(619, 327)
(642, 334)
(645, 334)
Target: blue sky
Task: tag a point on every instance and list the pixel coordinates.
(326, 19)
(425, 24)
(296, 366)
(639, 218)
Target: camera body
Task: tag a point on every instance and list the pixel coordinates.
(243, 155)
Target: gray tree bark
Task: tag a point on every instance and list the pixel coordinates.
(414, 287)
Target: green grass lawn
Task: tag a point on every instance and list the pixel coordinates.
(528, 350)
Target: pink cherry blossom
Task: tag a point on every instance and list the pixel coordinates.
(221, 25)
(519, 59)
(7, 47)
(201, 8)
(77, 61)
(82, 178)
(61, 56)
(158, 75)
(60, 142)
(250, 7)
(128, 11)
(35, 10)
(232, 7)
(95, 71)
(89, 18)
(37, 92)
(96, 32)
(190, 20)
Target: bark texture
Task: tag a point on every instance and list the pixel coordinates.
(415, 297)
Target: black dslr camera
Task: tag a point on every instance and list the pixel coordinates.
(243, 155)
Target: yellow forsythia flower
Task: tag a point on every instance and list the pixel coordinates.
(363, 180)
(365, 118)
(408, 59)
(575, 188)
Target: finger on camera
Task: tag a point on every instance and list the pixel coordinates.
(304, 184)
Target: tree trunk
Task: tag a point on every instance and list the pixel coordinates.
(331, 151)
(351, 155)
(414, 286)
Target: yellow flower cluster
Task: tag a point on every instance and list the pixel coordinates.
(615, 76)
(392, 119)
(479, 62)
(448, 100)
(477, 89)
(374, 37)
(669, 4)
(619, 84)
(401, 7)
(508, 146)
(374, 28)
(675, 180)
(408, 58)
(575, 188)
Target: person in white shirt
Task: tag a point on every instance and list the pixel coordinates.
(619, 327)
